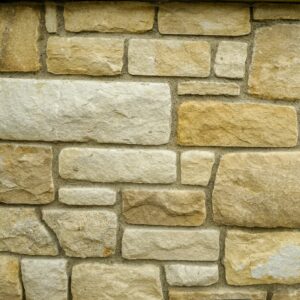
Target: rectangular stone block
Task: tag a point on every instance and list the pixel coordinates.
(155, 57)
(109, 16)
(272, 11)
(213, 123)
(171, 244)
(104, 112)
(118, 165)
(51, 17)
(204, 19)
(262, 257)
(288, 294)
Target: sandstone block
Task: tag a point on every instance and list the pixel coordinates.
(169, 58)
(288, 294)
(51, 17)
(274, 11)
(212, 123)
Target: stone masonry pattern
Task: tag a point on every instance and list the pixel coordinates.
(149, 150)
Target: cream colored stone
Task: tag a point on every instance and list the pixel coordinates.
(10, 283)
(262, 258)
(83, 233)
(51, 17)
(231, 59)
(85, 55)
(118, 165)
(164, 207)
(212, 123)
(169, 58)
(45, 279)
(272, 11)
(93, 281)
(109, 16)
(204, 19)
(289, 294)
(217, 294)
(171, 244)
(87, 196)
(196, 167)
(19, 45)
(208, 88)
(26, 174)
(191, 275)
(275, 68)
(23, 232)
(82, 110)
(263, 188)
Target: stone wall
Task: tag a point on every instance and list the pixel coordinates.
(149, 151)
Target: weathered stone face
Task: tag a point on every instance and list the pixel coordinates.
(274, 11)
(288, 294)
(262, 258)
(275, 69)
(51, 17)
(26, 174)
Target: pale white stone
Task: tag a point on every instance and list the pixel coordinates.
(45, 279)
(171, 244)
(87, 196)
(51, 17)
(191, 275)
(118, 165)
(230, 60)
(77, 110)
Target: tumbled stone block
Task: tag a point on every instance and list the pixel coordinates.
(262, 258)
(87, 196)
(171, 244)
(10, 283)
(51, 17)
(275, 68)
(263, 188)
(85, 55)
(23, 232)
(83, 233)
(196, 167)
(164, 207)
(204, 19)
(45, 279)
(104, 112)
(288, 294)
(19, 33)
(274, 11)
(109, 16)
(191, 275)
(156, 57)
(118, 165)
(26, 174)
(212, 123)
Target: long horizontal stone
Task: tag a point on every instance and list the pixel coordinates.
(118, 165)
(288, 294)
(271, 11)
(105, 112)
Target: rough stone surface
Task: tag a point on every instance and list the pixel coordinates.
(51, 17)
(230, 59)
(109, 16)
(191, 275)
(10, 283)
(212, 123)
(19, 45)
(275, 68)
(263, 188)
(87, 196)
(204, 19)
(169, 58)
(118, 165)
(164, 207)
(26, 174)
(85, 55)
(196, 167)
(91, 281)
(105, 112)
(45, 279)
(262, 258)
(272, 11)
(208, 88)
(83, 233)
(286, 295)
(23, 232)
(171, 244)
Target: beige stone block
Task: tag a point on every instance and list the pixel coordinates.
(51, 17)
(288, 294)
(274, 11)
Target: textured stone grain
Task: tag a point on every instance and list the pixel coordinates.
(51, 17)
(288, 294)
(272, 11)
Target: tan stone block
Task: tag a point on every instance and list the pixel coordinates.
(275, 68)
(274, 11)
(262, 257)
(51, 17)
(164, 207)
(85, 55)
(209, 123)
(289, 294)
